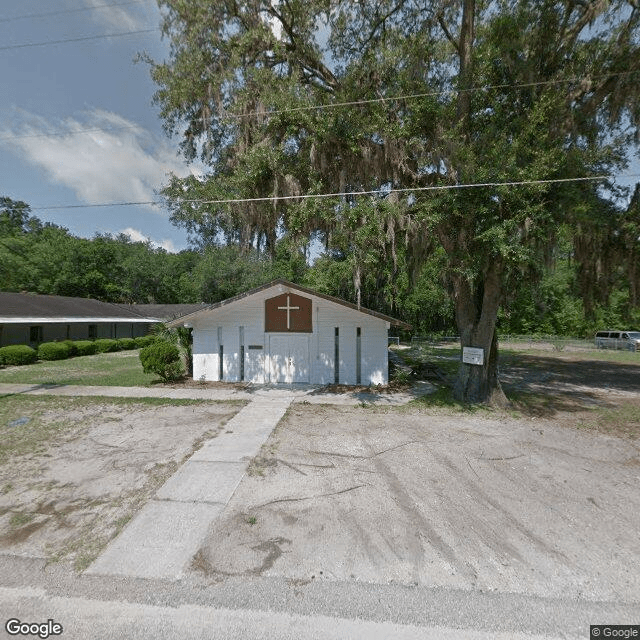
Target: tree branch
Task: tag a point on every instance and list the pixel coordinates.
(447, 33)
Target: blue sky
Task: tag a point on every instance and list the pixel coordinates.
(93, 84)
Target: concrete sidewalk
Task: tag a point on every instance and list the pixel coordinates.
(161, 540)
(298, 393)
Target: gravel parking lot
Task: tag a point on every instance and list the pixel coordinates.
(545, 506)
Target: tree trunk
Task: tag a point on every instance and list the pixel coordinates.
(476, 315)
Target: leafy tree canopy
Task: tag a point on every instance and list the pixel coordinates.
(403, 97)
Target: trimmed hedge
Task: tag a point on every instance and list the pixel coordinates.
(126, 344)
(144, 341)
(85, 347)
(73, 350)
(106, 345)
(17, 354)
(163, 359)
(53, 351)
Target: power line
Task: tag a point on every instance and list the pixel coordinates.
(82, 39)
(62, 11)
(384, 192)
(412, 96)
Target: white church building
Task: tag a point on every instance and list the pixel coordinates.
(284, 333)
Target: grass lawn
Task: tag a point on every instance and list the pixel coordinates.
(545, 382)
(448, 358)
(121, 369)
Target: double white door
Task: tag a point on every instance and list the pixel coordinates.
(289, 358)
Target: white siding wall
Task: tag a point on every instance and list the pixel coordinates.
(327, 315)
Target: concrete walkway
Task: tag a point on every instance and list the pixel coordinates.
(298, 393)
(163, 537)
(161, 540)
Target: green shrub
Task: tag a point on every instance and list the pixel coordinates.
(86, 347)
(106, 345)
(53, 351)
(144, 341)
(126, 344)
(163, 359)
(73, 350)
(18, 354)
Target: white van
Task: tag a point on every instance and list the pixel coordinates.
(618, 340)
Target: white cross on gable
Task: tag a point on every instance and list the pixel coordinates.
(289, 309)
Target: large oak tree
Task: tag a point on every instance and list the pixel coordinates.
(411, 100)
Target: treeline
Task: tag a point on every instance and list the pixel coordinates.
(44, 258)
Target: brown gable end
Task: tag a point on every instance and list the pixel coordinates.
(288, 313)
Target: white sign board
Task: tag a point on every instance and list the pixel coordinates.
(472, 355)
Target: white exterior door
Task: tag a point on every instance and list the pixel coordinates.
(254, 365)
(289, 358)
(299, 358)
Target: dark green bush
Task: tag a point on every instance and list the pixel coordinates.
(85, 347)
(126, 344)
(18, 354)
(107, 345)
(73, 350)
(163, 359)
(53, 351)
(144, 341)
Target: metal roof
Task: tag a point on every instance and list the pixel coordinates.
(35, 308)
(164, 312)
(297, 287)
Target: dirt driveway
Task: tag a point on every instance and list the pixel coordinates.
(73, 471)
(471, 501)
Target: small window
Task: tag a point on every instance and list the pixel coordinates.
(614, 334)
(35, 334)
(602, 334)
(93, 331)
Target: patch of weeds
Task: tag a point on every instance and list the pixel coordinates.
(259, 464)
(531, 404)
(121, 522)
(252, 520)
(443, 398)
(6, 488)
(84, 549)
(83, 560)
(20, 519)
(199, 442)
(546, 405)
(623, 421)
(401, 376)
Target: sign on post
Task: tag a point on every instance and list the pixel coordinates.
(473, 355)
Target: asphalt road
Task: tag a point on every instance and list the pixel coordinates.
(276, 608)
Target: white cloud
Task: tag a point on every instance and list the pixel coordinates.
(138, 236)
(132, 17)
(124, 163)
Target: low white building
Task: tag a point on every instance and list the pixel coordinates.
(285, 333)
(29, 318)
